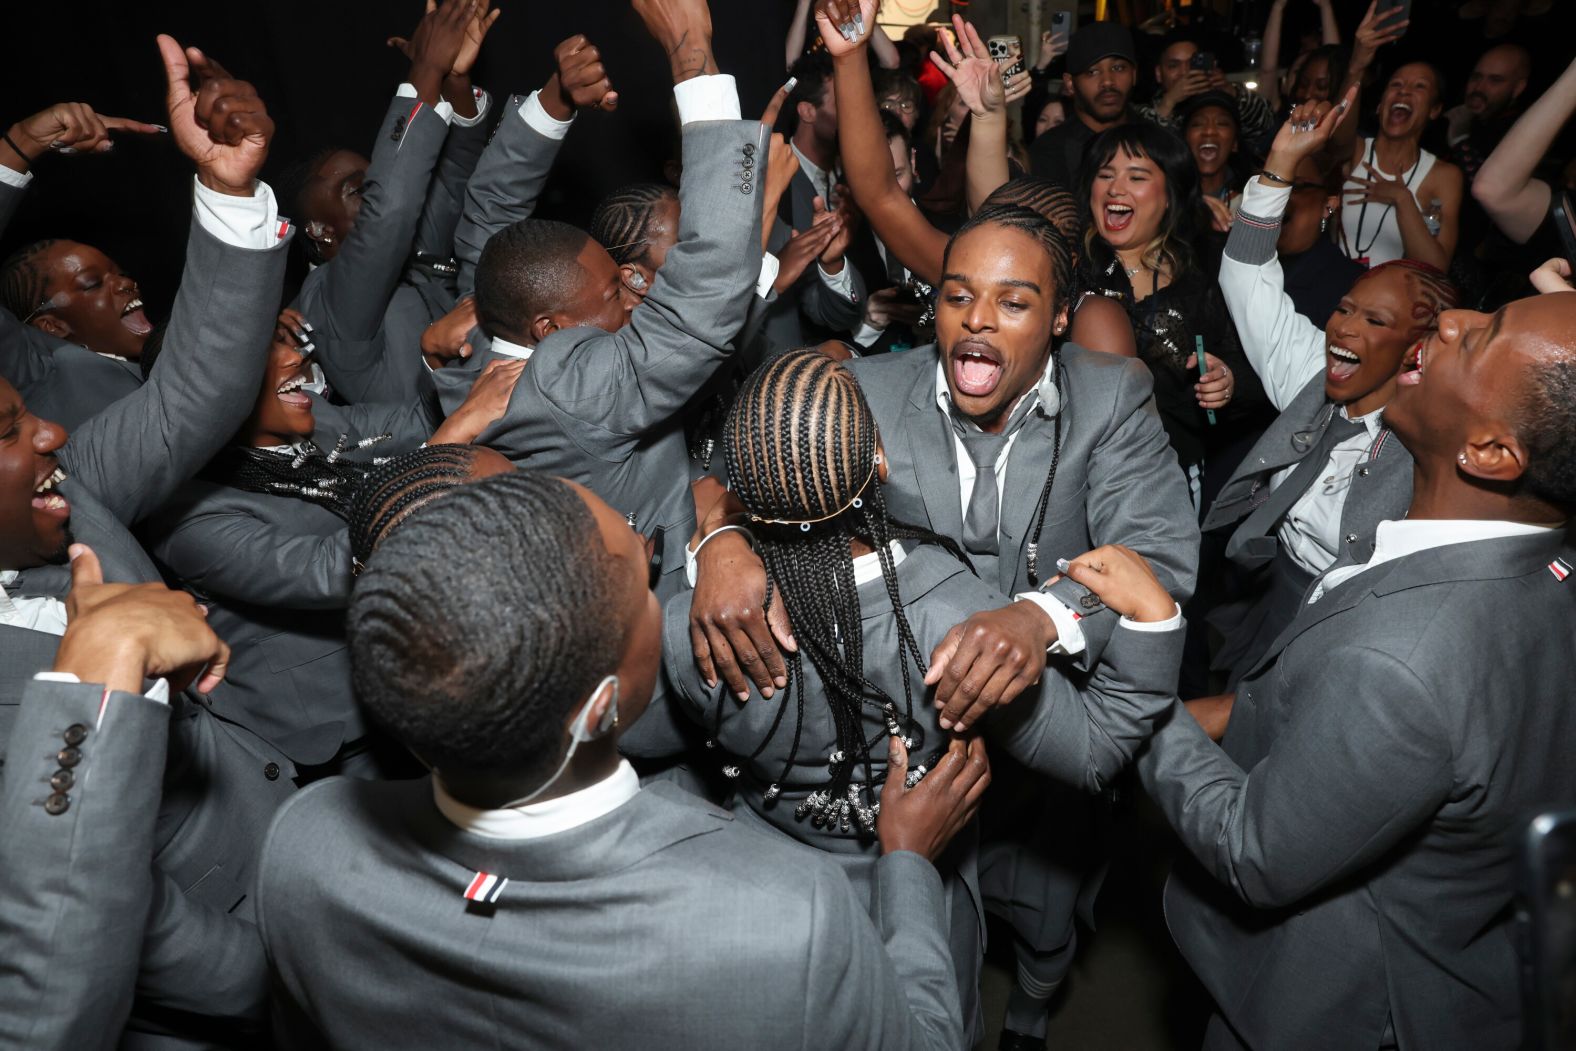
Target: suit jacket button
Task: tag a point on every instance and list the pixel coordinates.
(68, 757)
(749, 149)
(57, 804)
(61, 780)
(746, 189)
(271, 771)
(1362, 472)
(1351, 538)
(1089, 601)
(75, 734)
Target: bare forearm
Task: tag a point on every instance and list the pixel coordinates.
(1504, 186)
(797, 30)
(886, 51)
(1416, 240)
(986, 167)
(1331, 31)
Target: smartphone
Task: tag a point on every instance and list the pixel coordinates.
(1546, 922)
(1203, 61)
(1061, 21)
(1203, 368)
(1563, 214)
(1386, 6)
(1006, 48)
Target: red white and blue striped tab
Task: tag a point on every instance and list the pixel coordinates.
(485, 887)
(1560, 568)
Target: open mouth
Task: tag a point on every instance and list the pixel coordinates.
(133, 318)
(1398, 113)
(1343, 364)
(1208, 151)
(976, 370)
(46, 499)
(291, 394)
(1116, 216)
(1412, 366)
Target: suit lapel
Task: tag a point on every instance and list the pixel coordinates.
(932, 453)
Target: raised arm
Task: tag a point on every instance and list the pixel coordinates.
(1373, 33)
(798, 31)
(977, 77)
(1285, 349)
(348, 295)
(514, 167)
(1504, 185)
(1269, 55)
(135, 453)
(894, 218)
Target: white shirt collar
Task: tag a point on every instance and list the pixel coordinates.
(868, 567)
(1373, 422)
(1393, 540)
(1045, 388)
(817, 174)
(512, 350)
(40, 614)
(112, 357)
(547, 818)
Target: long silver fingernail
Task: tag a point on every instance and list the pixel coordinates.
(859, 22)
(1063, 566)
(793, 82)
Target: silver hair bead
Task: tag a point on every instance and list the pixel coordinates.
(730, 771)
(773, 790)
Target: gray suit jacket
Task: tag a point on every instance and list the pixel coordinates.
(367, 324)
(1381, 485)
(221, 783)
(276, 572)
(1117, 481)
(1361, 818)
(604, 409)
(662, 924)
(73, 924)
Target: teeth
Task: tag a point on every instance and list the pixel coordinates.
(292, 385)
(1342, 354)
(1118, 208)
(53, 480)
(135, 304)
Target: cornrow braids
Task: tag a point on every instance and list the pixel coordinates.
(1034, 224)
(1432, 290)
(396, 487)
(800, 444)
(1056, 204)
(621, 221)
(23, 280)
(329, 480)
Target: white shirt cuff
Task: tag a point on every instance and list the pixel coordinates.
(241, 222)
(1069, 636)
(1155, 626)
(714, 97)
(867, 334)
(841, 282)
(482, 101)
(442, 109)
(12, 177)
(768, 278)
(159, 692)
(1264, 200)
(543, 123)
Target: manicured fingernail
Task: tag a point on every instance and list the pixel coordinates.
(1064, 566)
(859, 23)
(792, 83)
(308, 326)
(161, 128)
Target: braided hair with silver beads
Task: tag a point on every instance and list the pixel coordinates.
(801, 448)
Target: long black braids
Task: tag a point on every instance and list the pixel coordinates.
(305, 472)
(620, 222)
(398, 486)
(801, 447)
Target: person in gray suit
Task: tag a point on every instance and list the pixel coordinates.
(1311, 492)
(71, 319)
(1356, 831)
(1072, 444)
(79, 795)
(531, 893)
(380, 233)
(261, 536)
(805, 458)
(201, 959)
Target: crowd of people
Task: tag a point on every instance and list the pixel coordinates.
(682, 629)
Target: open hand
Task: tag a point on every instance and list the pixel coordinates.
(487, 401)
(1052, 46)
(804, 247)
(972, 71)
(221, 125)
(1306, 132)
(1373, 33)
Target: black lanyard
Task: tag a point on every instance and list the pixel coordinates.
(1362, 249)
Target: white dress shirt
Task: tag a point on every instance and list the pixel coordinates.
(446, 111)
(867, 567)
(512, 350)
(1069, 636)
(1287, 351)
(547, 818)
(1398, 539)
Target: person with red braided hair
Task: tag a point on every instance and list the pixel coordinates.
(1312, 492)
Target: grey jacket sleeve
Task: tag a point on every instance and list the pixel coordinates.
(78, 882)
(504, 188)
(1138, 498)
(346, 297)
(201, 960)
(138, 451)
(887, 987)
(1086, 735)
(446, 193)
(827, 308)
(616, 388)
(10, 201)
(283, 567)
(1362, 763)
